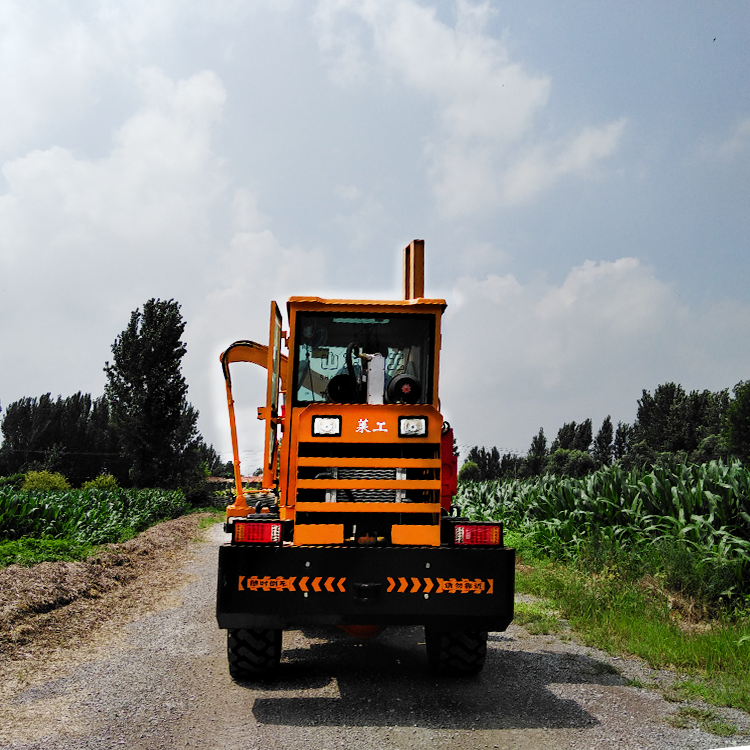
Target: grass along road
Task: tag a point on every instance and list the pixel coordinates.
(643, 619)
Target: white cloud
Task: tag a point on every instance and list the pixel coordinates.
(49, 62)
(63, 61)
(735, 145)
(55, 58)
(544, 165)
(83, 242)
(340, 44)
(360, 217)
(348, 193)
(487, 151)
(140, 210)
(253, 270)
(517, 357)
(247, 215)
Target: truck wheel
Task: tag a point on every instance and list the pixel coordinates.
(456, 652)
(253, 653)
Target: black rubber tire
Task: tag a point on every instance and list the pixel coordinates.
(253, 653)
(456, 652)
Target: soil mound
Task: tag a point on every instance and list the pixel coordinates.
(55, 603)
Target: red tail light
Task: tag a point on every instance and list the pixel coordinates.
(256, 533)
(478, 534)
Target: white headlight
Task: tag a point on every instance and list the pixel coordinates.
(326, 426)
(412, 426)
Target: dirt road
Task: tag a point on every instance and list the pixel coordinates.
(161, 681)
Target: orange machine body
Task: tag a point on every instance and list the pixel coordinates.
(353, 525)
(402, 484)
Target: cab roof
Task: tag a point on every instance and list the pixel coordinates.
(317, 303)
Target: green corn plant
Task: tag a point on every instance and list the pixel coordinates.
(92, 515)
(704, 509)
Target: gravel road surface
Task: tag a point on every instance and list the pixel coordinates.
(161, 681)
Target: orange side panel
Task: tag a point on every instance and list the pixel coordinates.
(424, 536)
(319, 533)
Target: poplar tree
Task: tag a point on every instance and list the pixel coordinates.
(583, 436)
(737, 422)
(537, 455)
(155, 424)
(603, 447)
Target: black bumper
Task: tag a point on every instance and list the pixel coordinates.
(456, 588)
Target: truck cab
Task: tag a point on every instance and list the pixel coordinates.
(362, 463)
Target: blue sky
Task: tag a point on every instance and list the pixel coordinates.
(580, 173)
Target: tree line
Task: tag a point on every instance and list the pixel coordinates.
(671, 425)
(142, 430)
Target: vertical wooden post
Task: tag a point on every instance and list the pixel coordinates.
(414, 270)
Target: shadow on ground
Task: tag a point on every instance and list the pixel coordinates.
(385, 682)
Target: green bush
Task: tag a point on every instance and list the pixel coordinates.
(566, 462)
(469, 472)
(580, 463)
(45, 480)
(199, 496)
(102, 482)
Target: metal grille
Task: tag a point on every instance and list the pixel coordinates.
(366, 496)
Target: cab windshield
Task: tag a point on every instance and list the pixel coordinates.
(334, 353)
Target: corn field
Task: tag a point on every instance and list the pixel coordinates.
(90, 516)
(702, 510)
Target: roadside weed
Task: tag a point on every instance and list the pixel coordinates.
(709, 721)
(536, 617)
